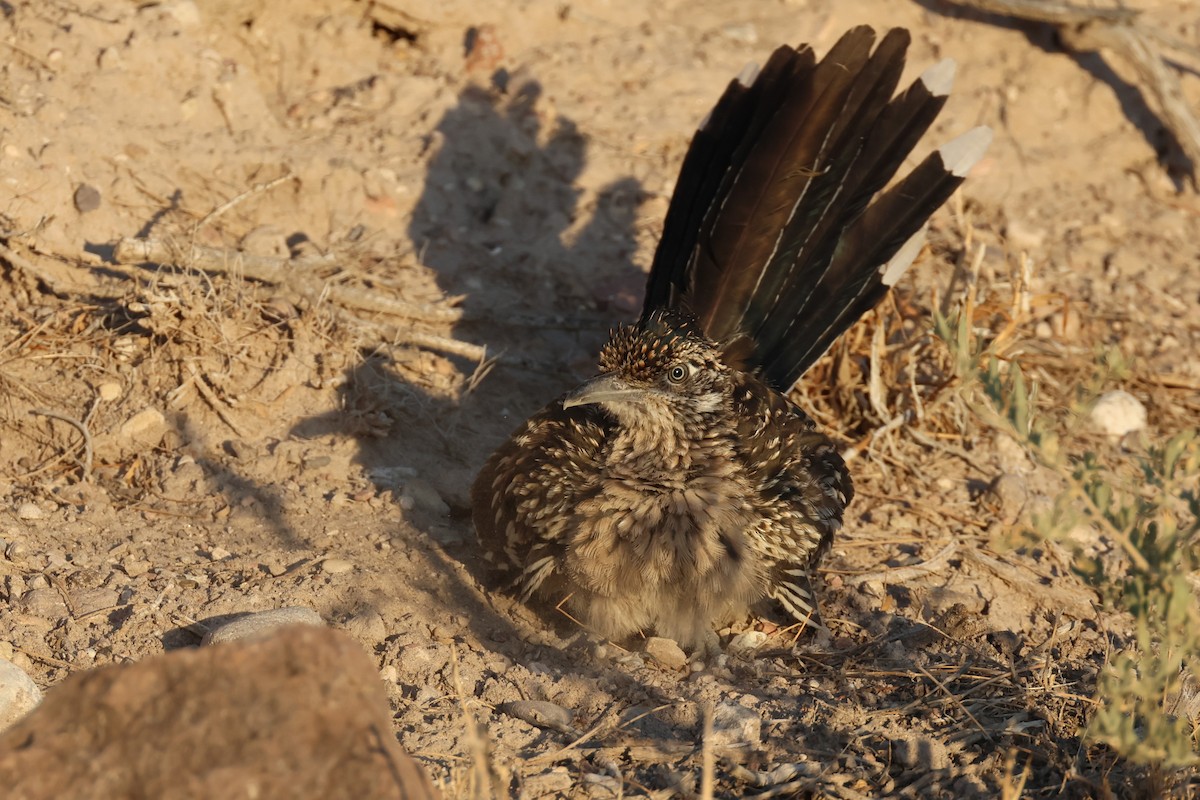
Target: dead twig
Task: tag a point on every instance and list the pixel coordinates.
(297, 275)
(903, 574)
(267, 269)
(86, 464)
(1087, 30)
(258, 188)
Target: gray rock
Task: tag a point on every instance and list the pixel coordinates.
(45, 603)
(735, 725)
(87, 198)
(18, 694)
(541, 713)
(1010, 493)
(261, 624)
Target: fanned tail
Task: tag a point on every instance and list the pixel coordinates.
(775, 238)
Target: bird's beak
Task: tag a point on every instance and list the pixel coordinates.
(604, 389)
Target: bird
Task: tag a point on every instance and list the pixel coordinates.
(680, 487)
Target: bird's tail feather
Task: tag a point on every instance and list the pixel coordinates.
(775, 238)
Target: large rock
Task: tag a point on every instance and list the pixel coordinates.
(301, 714)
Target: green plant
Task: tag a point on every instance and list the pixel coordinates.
(1150, 506)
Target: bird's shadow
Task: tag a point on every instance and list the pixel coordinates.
(544, 268)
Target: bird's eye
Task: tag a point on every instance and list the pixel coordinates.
(677, 373)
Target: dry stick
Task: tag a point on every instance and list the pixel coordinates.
(592, 732)
(258, 188)
(476, 745)
(51, 660)
(1152, 69)
(1056, 13)
(77, 425)
(1090, 29)
(283, 271)
(214, 402)
(707, 759)
(268, 269)
(28, 267)
(367, 301)
(956, 700)
(432, 341)
(907, 573)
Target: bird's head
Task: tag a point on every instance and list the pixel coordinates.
(662, 368)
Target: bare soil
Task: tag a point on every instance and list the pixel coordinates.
(244, 424)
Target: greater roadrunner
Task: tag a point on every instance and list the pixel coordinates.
(681, 485)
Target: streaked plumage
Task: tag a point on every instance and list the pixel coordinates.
(681, 486)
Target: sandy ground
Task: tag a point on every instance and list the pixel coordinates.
(268, 432)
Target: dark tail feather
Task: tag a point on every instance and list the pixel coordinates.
(720, 144)
(769, 239)
(874, 253)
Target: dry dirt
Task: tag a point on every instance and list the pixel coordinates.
(181, 445)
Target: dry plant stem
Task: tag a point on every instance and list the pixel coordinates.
(592, 732)
(1152, 70)
(1090, 29)
(214, 259)
(426, 312)
(213, 401)
(431, 341)
(956, 700)
(482, 783)
(707, 758)
(282, 271)
(239, 199)
(29, 268)
(83, 431)
(907, 573)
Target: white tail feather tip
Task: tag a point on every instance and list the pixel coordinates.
(898, 264)
(748, 74)
(939, 78)
(959, 155)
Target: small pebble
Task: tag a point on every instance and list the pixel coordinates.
(336, 566)
(367, 627)
(744, 33)
(30, 511)
(734, 724)
(666, 652)
(87, 601)
(1023, 235)
(541, 713)
(185, 12)
(425, 497)
(133, 567)
(144, 429)
(109, 391)
(87, 198)
(747, 643)
(18, 694)
(1118, 412)
(261, 624)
